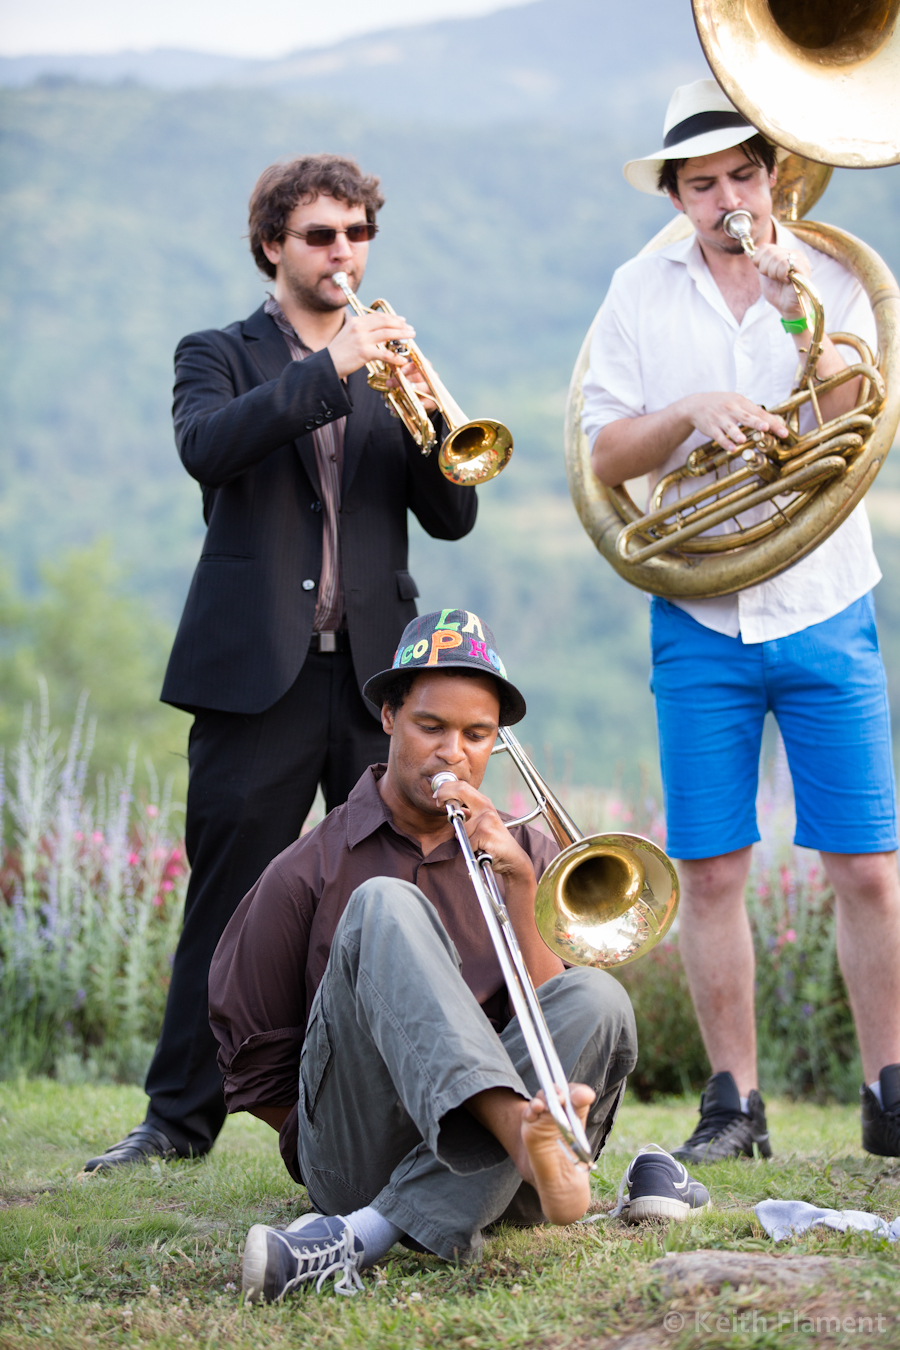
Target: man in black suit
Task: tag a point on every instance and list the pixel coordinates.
(301, 592)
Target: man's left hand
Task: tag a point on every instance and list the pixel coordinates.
(774, 264)
(487, 831)
(419, 383)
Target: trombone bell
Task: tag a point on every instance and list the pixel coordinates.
(603, 900)
(606, 900)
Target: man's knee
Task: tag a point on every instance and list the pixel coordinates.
(595, 999)
(386, 898)
(606, 995)
(386, 909)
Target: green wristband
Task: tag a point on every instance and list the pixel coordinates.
(795, 325)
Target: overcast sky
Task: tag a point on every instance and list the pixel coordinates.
(263, 28)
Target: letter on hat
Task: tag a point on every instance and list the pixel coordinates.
(441, 641)
(474, 624)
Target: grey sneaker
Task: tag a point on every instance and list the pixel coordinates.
(658, 1187)
(314, 1248)
(724, 1130)
(881, 1123)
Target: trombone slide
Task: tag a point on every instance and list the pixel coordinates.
(526, 1005)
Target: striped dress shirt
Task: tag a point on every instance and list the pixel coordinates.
(329, 443)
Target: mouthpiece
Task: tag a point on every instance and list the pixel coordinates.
(440, 779)
(342, 281)
(739, 224)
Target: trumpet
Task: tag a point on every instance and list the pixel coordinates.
(602, 901)
(473, 451)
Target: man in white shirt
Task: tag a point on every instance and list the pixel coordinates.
(693, 342)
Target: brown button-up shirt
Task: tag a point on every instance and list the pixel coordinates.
(272, 956)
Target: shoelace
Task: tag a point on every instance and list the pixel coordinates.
(338, 1255)
(714, 1127)
(626, 1179)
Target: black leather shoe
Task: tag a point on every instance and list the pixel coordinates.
(725, 1131)
(881, 1123)
(139, 1146)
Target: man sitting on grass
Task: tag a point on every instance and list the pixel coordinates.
(358, 974)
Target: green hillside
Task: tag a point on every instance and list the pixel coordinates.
(123, 215)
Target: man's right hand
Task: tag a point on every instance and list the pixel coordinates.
(720, 417)
(362, 337)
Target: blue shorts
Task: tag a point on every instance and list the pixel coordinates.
(826, 687)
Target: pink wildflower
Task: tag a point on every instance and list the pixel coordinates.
(176, 855)
(157, 900)
(790, 936)
(133, 859)
(79, 836)
(167, 886)
(97, 837)
(152, 811)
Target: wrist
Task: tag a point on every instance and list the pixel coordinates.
(520, 886)
(794, 323)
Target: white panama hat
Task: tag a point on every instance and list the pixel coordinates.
(700, 120)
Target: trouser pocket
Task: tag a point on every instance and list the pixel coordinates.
(315, 1059)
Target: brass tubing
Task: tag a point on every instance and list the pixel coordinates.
(820, 471)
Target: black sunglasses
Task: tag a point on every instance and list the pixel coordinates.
(322, 236)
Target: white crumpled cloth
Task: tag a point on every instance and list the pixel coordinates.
(783, 1218)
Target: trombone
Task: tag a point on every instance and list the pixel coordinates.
(603, 900)
(472, 452)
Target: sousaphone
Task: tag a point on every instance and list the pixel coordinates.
(820, 78)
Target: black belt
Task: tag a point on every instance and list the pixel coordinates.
(330, 642)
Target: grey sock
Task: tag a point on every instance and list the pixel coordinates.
(376, 1233)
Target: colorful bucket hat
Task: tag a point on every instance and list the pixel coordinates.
(444, 640)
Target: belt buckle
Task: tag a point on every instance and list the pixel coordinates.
(327, 642)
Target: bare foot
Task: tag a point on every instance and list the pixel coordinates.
(564, 1187)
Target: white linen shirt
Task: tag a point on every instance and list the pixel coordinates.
(664, 331)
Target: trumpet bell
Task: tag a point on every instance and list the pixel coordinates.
(818, 77)
(476, 452)
(606, 900)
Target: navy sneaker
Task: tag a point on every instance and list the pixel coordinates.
(658, 1187)
(314, 1248)
(881, 1120)
(724, 1130)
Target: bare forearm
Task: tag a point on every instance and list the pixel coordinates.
(842, 399)
(634, 446)
(540, 962)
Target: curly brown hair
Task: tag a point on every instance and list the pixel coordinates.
(284, 185)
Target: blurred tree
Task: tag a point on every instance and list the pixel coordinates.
(83, 631)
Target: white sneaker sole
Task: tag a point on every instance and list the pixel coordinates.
(659, 1207)
(254, 1267)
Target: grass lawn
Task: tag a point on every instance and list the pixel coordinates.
(151, 1256)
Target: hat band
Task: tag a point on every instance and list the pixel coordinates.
(700, 123)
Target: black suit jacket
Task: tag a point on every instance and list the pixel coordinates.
(244, 413)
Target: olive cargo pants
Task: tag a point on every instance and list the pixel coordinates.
(396, 1043)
